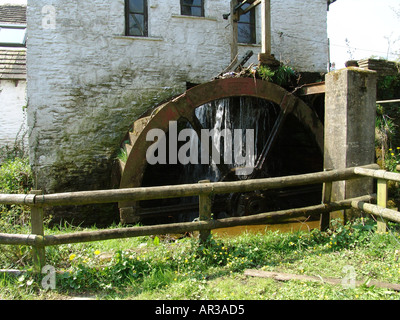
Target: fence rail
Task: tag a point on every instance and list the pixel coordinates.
(204, 190)
(176, 191)
(379, 210)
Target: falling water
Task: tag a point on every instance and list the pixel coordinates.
(233, 113)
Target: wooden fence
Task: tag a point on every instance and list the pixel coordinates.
(204, 190)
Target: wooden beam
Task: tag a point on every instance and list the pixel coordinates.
(266, 27)
(37, 228)
(188, 190)
(326, 198)
(377, 174)
(388, 101)
(176, 228)
(313, 88)
(234, 28)
(378, 211)
(382, 191)
(17, 239)
(279, 276)
(251, 7)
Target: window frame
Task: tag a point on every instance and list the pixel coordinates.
(252, 27)
(192, 6)
(129, 12)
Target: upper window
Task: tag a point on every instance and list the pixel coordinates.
(247, 26)
(136, 18)
(12, 36)
(192, 8)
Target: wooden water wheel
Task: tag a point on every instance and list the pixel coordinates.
(291, 113)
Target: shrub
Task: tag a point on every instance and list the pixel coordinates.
(15, 176)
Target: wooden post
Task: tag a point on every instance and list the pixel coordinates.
(326, 199)
(265, 56)
(204, 212)
(37, 228)
(266, 27)
(381, 201)
(234, 27)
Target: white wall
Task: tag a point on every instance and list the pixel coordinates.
(13, 2)
(12, 118)
(87, 82)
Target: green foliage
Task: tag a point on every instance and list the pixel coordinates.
(15, 176)
(142, 268)
(392, 159)
(283, 75)
(388, 87)
(122, 155)
(386, 138)
(11, 152)
(388, 121)
(265, 73)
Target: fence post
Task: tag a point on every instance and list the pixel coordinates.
(204, 212)
(37, 228)
(381, 201)
(326, 199)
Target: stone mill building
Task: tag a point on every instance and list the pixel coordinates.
(93, 67)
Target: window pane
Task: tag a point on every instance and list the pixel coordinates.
(192, 7)
(244, 33)
(136, 25)
(245, 17)
(196, 11)
(12, 36)
(246, 27)
(136, 6)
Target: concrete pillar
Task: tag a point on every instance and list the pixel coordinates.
(350, 111)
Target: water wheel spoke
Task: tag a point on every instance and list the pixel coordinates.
(287, 106)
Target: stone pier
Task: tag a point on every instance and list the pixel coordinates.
(350, 111)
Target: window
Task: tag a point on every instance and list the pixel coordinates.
(136, 18)
(12, 36)
(192, 8)
(247, 26)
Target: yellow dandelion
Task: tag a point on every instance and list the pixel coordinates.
(72, 257)
(97, 252)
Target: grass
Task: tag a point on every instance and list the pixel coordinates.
(152, 268)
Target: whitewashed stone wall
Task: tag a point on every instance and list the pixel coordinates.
(87, 82)
(12, 113)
